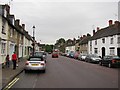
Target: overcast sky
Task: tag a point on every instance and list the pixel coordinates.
(55, 19)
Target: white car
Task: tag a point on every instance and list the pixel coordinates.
(35, 63)
(82, 57)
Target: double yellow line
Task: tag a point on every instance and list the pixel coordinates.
(11, 84)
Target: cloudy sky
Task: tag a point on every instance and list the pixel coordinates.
(56, 19)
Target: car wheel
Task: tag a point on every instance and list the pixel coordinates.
(43, 71)
(109, 65)
(85, 60)
(26, 71)
(100, 63)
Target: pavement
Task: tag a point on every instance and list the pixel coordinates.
(8, 74)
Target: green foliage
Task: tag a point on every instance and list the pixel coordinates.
(48, 48)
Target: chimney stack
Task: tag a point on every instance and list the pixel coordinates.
(23, 26)
(7, 9)
(110, 22)
(84, 36)
(88, 34)
(81, 38)
(116, 23)
(98, 28)
(93, 32)
(17, 22)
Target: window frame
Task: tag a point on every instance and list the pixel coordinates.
(112, 40)
(3, 48)
(118, 40)
(96, 50)
(103, 40)
(95, 42)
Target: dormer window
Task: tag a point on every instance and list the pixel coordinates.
(103, 40)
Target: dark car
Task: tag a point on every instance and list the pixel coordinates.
(110, 61)
(55, 55)
(92, 58)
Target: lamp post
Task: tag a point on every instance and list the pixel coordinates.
(33, 39)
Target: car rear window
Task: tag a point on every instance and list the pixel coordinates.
(35, 59)
(55, 52)
(38, 53)
(107, 57)
(116, 57)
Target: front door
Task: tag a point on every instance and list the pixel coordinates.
(118, 52)
(103, 52)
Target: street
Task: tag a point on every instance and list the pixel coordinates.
(65, 72)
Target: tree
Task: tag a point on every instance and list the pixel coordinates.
(60, 44)
(48, 48)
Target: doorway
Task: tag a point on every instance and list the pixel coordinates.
(118, 52)
(103, 52)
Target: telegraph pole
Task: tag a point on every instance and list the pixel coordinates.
(33, 40)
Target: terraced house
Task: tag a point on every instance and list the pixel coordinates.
(106, 41)
(13, 37)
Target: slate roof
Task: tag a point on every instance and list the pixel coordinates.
(85, 40)
(108, 31)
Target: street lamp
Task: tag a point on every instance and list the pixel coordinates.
(33, 39)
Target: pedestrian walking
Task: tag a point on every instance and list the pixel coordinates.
(7, 61)
(14, 59)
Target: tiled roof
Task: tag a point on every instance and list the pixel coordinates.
(108, 31)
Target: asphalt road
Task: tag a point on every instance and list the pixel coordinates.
(65, 72)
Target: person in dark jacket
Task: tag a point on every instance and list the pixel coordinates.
(14, 59)
(7, 61)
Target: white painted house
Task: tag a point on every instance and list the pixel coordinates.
(3, 33)
(70, 48)
(106, 41)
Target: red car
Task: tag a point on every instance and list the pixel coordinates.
(55, 55)
(76, 55)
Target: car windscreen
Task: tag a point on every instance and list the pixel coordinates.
(35, 59)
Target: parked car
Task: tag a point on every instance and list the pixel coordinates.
(82, 57)
(49, 52)
(110, 61)
(71, 54)
(35, 63)
(55, 55)
(76, 54)
(92, 58)
(67, 54)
